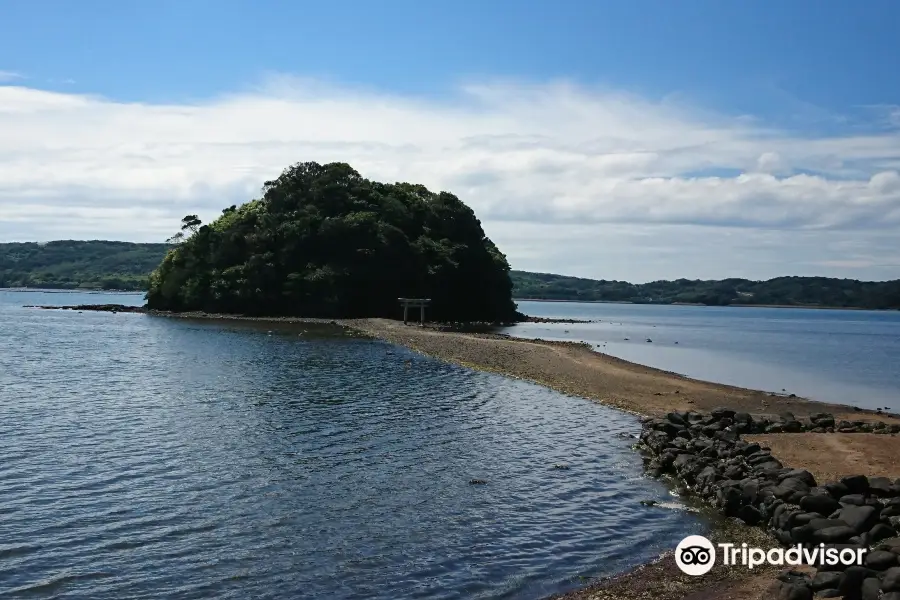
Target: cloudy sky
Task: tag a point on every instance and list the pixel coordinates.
(617, 140)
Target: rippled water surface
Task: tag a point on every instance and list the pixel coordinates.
(144, 457)
(845, 356)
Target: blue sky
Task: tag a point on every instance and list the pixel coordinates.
(595, 138)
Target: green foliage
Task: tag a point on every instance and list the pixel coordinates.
(324, 241)
(68, 264)
(787, 291)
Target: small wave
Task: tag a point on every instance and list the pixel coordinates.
(56, 583)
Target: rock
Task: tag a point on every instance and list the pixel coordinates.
(831, 535)
(854, 499)
(793, 427)
(880, 486)
(881, 560)
(803, 475)
(891, 580)
(802, 534)
(890, 544)
(870, 589)
(825, 523)
(676, 418)
(781, 590)
(722, 413)
(824, 505)
(853, 580)
(859, 518)
(742, 417)
(790, 585)
(856, 484)
(829, 593)
(880, 532)
(734, 472)
(805, 518)
(826, 580)
(875, 502)
(788, 487)
(836, 489)
(749, 514)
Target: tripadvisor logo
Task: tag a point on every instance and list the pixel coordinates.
(696, 555)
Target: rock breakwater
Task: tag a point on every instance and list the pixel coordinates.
(745, 481)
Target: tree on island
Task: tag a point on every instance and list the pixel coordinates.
(324, 241)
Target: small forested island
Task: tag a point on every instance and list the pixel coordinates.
(325, 242)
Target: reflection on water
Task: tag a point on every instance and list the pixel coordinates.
(152, 457)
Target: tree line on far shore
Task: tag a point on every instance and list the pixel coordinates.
(781, 291)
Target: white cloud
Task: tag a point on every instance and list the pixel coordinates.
(548, 157)
(9, 76)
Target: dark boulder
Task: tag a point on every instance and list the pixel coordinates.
(856, 484)
(851, 584)
(803, 475)
(836, 534)
(656, 440)
(802, 534)
(749, 492)
(749, 514)
(881, 532)
(881, 486)
(859, 518)
(854, 499)
(722, 413)
(836, 489)
(881, 560)
(825, 523)
(791, 585)
(803, 519)
(891, 580)
(793, 427)
(677, 418)
(824, 580)
(824, 505)
(870, 589)
(790, 486)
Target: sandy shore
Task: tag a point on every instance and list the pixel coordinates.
(578, 370)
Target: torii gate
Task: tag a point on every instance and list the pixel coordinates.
(421, 303)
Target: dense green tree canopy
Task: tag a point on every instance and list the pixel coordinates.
(324, 241)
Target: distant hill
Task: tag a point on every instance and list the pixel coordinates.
(126, 266)
(786, 291)
(76, 264)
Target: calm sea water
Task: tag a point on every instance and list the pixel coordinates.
(146, 457)
(845, 356)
